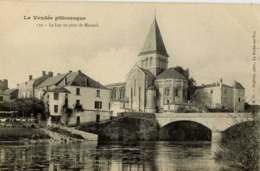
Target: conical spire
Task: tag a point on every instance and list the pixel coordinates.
(154, 42)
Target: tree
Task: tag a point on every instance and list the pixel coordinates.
(191, 80)
(239, 146)
(24, 107)
(201, 99)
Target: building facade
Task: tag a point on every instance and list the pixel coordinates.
(118, 101)
(27, 89)
(77, 96)
(221, 96)
(8, 95)
(150, 85)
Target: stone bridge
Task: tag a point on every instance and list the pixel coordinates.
(216, 122)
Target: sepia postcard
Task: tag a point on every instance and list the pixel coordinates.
(129, 86)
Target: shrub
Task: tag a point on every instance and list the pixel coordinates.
(239, 146)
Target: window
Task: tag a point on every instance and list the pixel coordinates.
(98, 93)
(225, 91)
(113, 93)
(98, 105)
(77, 102)
(78, 91)
(1, 98)
(176, 92)
(167, 92)
(134, 86)
(56, 96)
(239, 99)
(211, 91)
(56, 108)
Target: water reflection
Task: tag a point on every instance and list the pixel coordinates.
(89, 156)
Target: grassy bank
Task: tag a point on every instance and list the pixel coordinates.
(17, 134)
(125, 129)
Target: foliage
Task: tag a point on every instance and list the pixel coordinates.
(126, 129)
(191, 80)
(24, 107)
(202, 99)
(239, 146)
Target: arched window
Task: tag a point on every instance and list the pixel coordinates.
(113, 93)
(167, 92)
(122, 93)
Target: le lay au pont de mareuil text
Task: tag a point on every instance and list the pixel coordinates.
(60, 21)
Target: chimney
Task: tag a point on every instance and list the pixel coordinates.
(17, 85)
(30, 77)
(50, 74)
(79, 71)
(70, 71)
(6, 83)
(43, 73)
(220, 81)
(58, 73)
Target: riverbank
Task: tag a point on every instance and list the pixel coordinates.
(20, 134)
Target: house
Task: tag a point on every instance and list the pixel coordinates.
(27, 89)
(75, 98)
(8, 95)
(222, 96)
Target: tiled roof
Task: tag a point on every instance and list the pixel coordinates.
(52, 80)
(213, 85)
(73, 79)
(60, 90)
(154, 42)
(238, 85)
(170, 73)
(147, 72)
(8, 91)
(116, 84)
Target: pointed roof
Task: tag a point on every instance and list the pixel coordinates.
(154, 42)
(238, 85)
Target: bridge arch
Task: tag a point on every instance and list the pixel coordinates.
(185, 130)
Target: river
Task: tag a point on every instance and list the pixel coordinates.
(109, 156)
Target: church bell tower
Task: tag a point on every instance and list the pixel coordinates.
(154, 56)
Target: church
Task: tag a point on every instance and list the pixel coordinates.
(151, 86)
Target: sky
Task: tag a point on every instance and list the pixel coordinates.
(212, 40)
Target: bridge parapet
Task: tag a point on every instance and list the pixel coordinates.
(216, 122)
